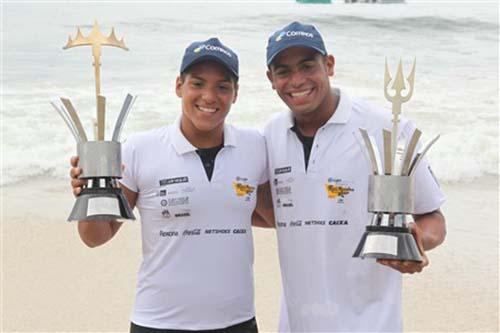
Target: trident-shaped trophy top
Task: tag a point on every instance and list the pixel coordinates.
(397, 99)
(95, 39)
(397, 158)
(399, 84)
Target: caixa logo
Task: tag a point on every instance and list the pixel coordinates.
(212, 48)
(291, 33)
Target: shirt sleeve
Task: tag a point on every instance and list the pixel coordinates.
(129, 179)
(264, 175)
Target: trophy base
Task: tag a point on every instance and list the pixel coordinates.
(383, 242)
(101, 204)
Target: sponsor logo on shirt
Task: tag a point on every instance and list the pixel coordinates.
(166, 214)
(285, 202)
(311, 223)
(202, 232)
(178, 201)
(279, 171)
(242, 189)
(183, 213)
(192, 232)
(338, 189)
(283, 190)
(176, 180)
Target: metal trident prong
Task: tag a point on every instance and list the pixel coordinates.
(398, 99)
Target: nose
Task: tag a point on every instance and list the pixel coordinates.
(209, 96)
(297, 79)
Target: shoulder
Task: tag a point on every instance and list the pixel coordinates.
(246, 135)
(375, 118)
(277, 123)
(147, 138)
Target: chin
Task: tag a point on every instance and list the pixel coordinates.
(204, 126)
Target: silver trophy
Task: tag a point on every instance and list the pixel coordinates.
(390, 189)
(100, 160)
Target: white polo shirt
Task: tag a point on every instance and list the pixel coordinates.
(197, 245)
(325, 288)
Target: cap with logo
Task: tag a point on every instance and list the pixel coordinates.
(294, 34)
(210, 49)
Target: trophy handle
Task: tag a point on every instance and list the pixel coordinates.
(373, 152)
(409, 152)
(127, 105)
(65, 116)
(420, 155)
(74, 116)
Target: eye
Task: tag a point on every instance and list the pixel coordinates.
(281, 72)
(196, 84)
(224, 87)
(307, 66)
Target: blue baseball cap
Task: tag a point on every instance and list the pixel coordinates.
(294, 34)
(210, 49)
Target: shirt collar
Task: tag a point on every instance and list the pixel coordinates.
(183, 146)
(343, 111)
(340, 116)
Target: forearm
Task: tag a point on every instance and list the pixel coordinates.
(263, 216)
(432, 227)
(95, 233)
(259, 221)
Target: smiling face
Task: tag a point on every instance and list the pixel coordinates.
(300, 76)
(207, 90)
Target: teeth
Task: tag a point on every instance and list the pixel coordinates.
(300, 94)
(206, 109)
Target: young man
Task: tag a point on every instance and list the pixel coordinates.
(195, 185)
(315, 146)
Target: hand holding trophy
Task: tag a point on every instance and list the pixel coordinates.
(390, 191)
(100, 160)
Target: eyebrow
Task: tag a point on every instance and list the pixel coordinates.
(303, 60)
(196, 77)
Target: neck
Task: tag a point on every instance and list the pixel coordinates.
(202, 139)
(310, 122)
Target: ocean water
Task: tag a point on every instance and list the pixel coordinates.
(455, 44)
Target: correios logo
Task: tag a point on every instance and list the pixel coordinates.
(212, 48)
(291, 33)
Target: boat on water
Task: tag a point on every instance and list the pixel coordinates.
(352, 1)
(375, 1)
(314, 1)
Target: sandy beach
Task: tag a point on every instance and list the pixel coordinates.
(52, 282)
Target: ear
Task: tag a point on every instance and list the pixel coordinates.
(178, 85)
(270, 78)
(236, 87)
(330, 65)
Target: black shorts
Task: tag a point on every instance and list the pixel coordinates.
(249, 326)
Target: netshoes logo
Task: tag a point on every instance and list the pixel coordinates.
(212, 48)
(290, 33)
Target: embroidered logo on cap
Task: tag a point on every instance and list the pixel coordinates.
(209, 47)
(291, 33)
